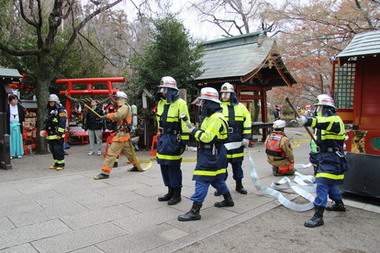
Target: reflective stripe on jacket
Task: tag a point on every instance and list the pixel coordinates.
(278, 149)
(272, 145)
(240, 126)
(330, 135)
(211, 156)
(55, 123)
(174, 134)
(123, 118)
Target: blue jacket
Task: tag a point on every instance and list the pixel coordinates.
(173, 132)
(211, 156)
(240, 125)
(55, 122)
(330, 135)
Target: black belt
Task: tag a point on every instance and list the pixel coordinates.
(209, 146)
(234, 130)
(335, 150)
(330, 149)
(166, 131)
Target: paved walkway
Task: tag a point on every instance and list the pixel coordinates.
(66, 211)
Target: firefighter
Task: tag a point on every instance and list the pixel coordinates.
(279, 151)
(211, 156)
(121, 140)
(240, 124)
(55, 124)
(172, 139)
(332, 163)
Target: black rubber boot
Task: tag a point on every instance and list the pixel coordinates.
(116, 164)
(133, 169)
(167, 196)
(275, 171)
(338, 206)
(176, 197)
(239, 187)
(317, 219)
(193, 214)
(101, 176)
(217, 194)
(226, 202)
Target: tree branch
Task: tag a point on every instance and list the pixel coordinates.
(78, 28)
(364, 14)
(18, 52)
(97, 49)
(27, 20)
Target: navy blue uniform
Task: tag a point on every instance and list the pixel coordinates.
(330, 135)
(211, 156)
(55, 123)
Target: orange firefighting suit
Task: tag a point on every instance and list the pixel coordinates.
(121, 140)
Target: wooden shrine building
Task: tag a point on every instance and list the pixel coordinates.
(251, 62)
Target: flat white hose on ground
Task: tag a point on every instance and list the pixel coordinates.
(299, 186)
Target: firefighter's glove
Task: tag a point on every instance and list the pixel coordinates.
(301, 120)
(245, 143)
(43, 133)
(189, 125)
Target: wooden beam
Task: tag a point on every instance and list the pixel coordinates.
(243, 96)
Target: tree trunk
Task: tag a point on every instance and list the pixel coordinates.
(44, 78)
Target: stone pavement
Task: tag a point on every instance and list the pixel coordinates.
(44, 210)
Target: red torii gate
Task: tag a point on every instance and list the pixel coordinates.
(89, 88)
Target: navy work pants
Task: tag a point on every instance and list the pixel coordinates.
(172, 175)
(237, 171)
(201, 189)
(324, 191)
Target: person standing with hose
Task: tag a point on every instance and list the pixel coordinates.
(121, 140)
(240, 130)
(332, 163)
(211, 156)
(172, 139)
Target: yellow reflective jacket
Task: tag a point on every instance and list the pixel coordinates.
(173, 132)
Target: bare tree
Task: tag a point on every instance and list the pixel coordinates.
(44, 21)
(233, 16)
(314, 32)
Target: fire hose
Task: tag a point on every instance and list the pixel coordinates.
(300, 187)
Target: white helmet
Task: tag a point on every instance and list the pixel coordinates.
(227, 87)
(121, 94)
(168, 82)
(325, 100)
(279, 124)
(211, 94)
(53, 98)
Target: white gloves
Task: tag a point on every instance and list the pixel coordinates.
(301, 120)
(245, 143)
(43, 133)
(189, 125)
